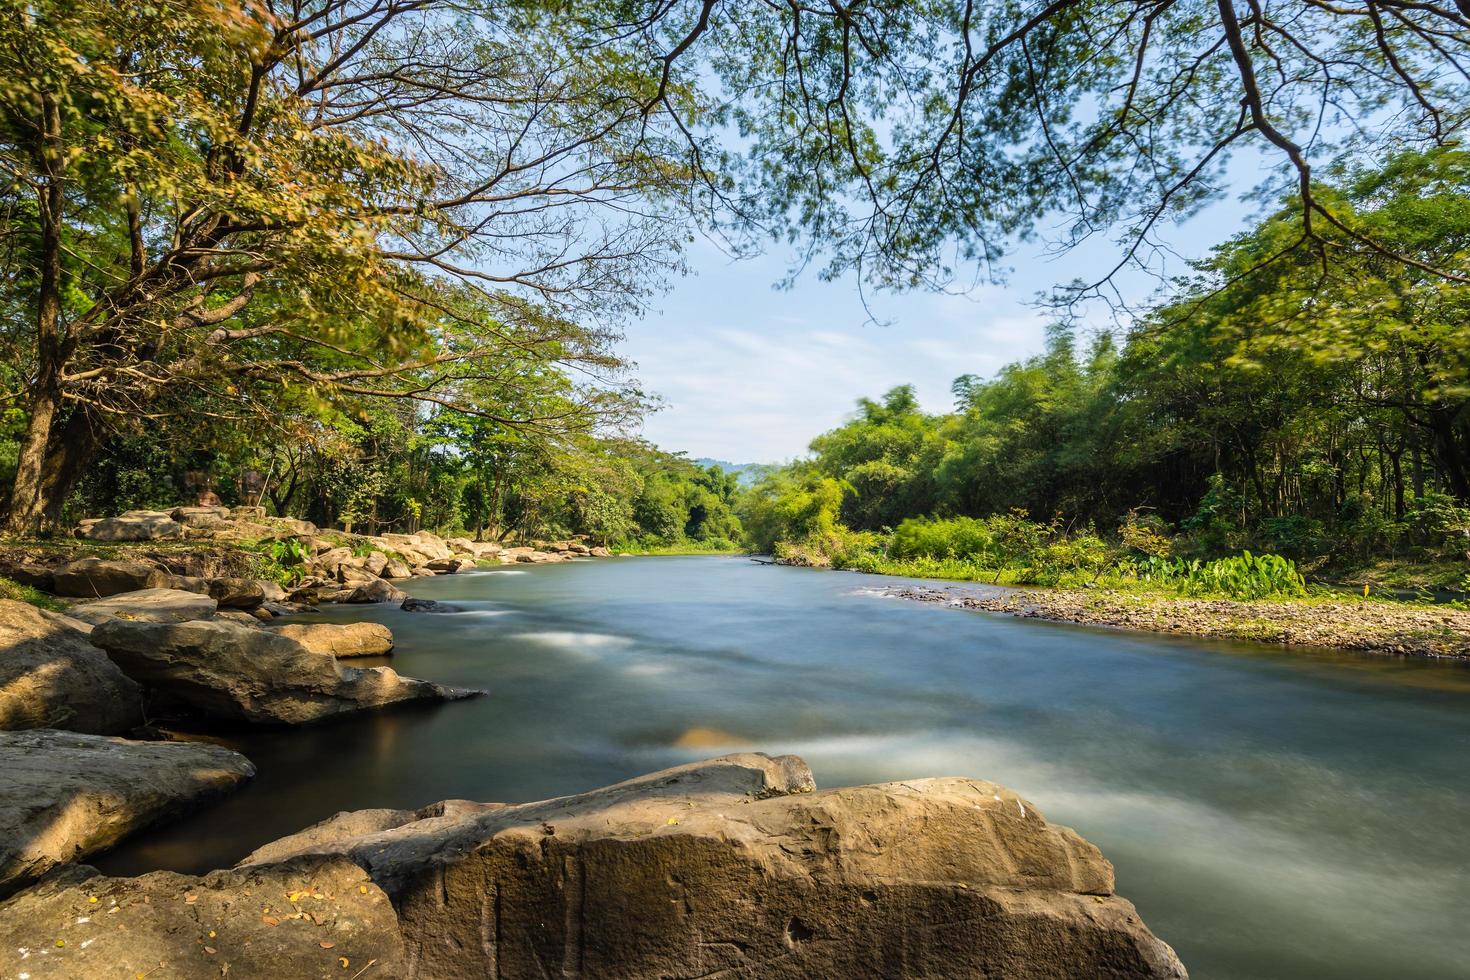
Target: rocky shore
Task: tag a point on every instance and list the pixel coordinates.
(1373, 627)
(736, 866)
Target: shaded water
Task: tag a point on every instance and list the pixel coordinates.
(1271, 814)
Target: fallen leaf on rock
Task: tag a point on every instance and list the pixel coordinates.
(270, 920)
(210, 950)
(326, 944)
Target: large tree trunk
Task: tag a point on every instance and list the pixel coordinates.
(28, 500)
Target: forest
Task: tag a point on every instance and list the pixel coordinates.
(371, 266)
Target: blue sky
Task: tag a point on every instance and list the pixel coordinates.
(750, 374)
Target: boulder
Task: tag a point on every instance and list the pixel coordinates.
(236, 593)
(147, 605)
(353, 574)
(201, 518)
(242, 673)
(414, 604)
(309, 918)
(600, 552)
(432, 545)
(135, 525)
(460, 546)
(333, 557)
(340, 640)
(247, 513)
(93, 578)
(452, 566)
(65, 795)
(396, 569)
(51, 676)
(26, 573)
(736, 867)
(375, 591)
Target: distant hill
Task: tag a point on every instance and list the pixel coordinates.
(748, 473)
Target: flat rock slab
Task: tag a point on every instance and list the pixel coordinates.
(51, 676)
(65, 795)
(308, 919)
(94, 578)
(736, 867)
(340, 640)
(135, 525)
(242, 673)
(147, 605)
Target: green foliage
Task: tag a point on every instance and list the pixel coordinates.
(1244, 576)
(10, 589)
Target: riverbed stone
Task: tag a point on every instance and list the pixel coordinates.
(237, 593)
(416, 604)
(452, 566)
(65, 795)
(242, 673)
(376, 590)
(147, 605)
(94, 578)
(51, 676)
(340, 639)
(737, 867)
(310, 918)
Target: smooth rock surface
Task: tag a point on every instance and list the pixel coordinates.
(340, 640)
(377, 590)
(134, 525)
(65, 795)
(94, 578)
(736, 868)
(51, 676)
(243, 673)
(147, 605)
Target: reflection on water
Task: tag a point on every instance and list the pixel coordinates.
(1271, 814)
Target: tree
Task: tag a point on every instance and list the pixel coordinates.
(357, 197)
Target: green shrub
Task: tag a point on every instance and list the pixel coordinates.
(1244, 576)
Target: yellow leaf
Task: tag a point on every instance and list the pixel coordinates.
(92, 899)
(343, 961)
(362, 889)
(60, 942)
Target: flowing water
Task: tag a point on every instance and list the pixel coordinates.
(1271, 814)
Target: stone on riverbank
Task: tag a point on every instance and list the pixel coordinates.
(94, 578)
(307, 919)
(376, 590)
(240, 673)
(65, 795)
(736, 866)
(415, 604)
(133, 525)
(147, 605)
(340, 640)
(51, 676)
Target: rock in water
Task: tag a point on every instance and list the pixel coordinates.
(93, 578)
(344, 640)
(311, 919)
(147, 605)
(736, 867)
(246, 674)
(52, 677)
(64, 795)
(415, 604)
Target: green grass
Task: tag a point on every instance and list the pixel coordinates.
(26, 593)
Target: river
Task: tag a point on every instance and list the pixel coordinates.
(1271, 814)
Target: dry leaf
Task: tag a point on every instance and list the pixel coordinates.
(326, 944)
(343, 961)
(210, 950)
(270, 920)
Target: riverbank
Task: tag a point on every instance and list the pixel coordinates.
(1374, 627)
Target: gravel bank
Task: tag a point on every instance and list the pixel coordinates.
(1377, 627)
